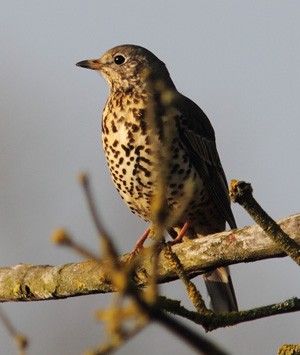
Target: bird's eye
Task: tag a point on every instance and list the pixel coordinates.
(119, 59)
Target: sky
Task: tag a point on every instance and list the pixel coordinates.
(238, 60)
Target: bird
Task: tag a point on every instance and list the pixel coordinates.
(148, 126)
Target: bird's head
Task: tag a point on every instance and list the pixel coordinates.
(127, 66)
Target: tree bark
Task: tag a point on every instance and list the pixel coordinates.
(43, 282)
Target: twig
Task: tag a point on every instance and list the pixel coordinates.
(109, 249)
(193, 293)
(20, 339)
(62, 237)
(289, 349)
(111, 346)
(241, 192)
(216, 321)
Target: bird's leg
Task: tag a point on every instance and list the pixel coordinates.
(181, 234)
(139, 244)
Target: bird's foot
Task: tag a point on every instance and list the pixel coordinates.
(180, 235)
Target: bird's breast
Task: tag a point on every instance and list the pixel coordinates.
(127, 146)
(144, 164)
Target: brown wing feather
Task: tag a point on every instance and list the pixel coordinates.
(198, 137)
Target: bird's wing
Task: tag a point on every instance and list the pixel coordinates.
(198, 137)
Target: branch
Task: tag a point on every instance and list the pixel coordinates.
(214, 321)
(241, 192)
(43, 282)
(20, 340)
(287, 349)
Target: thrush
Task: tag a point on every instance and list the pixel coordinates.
(145, 132)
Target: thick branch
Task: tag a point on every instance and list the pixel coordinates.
(30, 283)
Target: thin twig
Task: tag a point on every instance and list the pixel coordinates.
(20, 339)
(193, 293)
(108, 246)
(216, 321)
(111, 346)
(62, 237)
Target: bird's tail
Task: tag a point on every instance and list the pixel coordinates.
(220, 290)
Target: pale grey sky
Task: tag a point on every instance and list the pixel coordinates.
(239, 60)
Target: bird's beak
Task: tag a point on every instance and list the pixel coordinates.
(90, 64)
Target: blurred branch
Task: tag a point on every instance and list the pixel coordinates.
(142, 306)
(287, 349)
(20, 339)
(43, 282)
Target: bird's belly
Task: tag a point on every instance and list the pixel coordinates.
(139, 176)
(132, 170)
